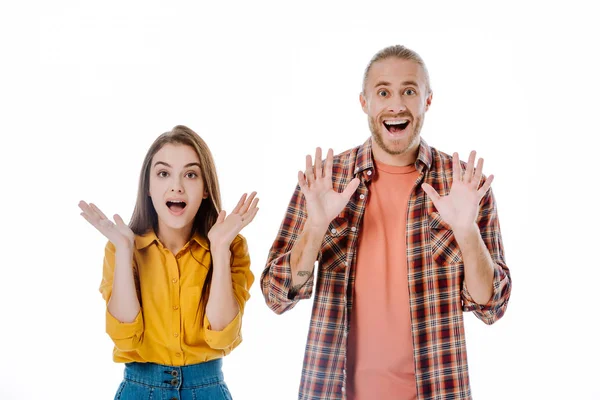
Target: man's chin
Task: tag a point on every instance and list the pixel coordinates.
(394, 146)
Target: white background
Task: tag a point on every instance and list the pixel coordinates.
(86, 88)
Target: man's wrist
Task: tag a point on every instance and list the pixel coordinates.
(466, 234)
(315, 231)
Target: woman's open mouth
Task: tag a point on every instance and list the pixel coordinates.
(176, 206)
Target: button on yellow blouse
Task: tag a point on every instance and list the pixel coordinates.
(168, 330)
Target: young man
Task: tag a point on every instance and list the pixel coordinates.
(407, 238)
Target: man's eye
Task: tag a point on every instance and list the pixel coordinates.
(383, 93)
(410, 92)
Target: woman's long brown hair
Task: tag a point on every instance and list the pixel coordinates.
(144, 215)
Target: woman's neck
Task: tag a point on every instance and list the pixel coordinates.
(173, 239)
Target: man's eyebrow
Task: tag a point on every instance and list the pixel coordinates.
(410, 83)
(405, 83)
(382, 83)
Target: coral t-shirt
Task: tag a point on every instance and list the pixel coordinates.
(380, 345)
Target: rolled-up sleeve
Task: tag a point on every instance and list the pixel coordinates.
(126, 336)
(276, 278)
(242, 279)
(489, 227)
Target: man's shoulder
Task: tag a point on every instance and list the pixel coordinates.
(346, 155)
(438, 155)
(347, 163)
(442, 161)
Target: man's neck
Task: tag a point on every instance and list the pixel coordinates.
(397, 160)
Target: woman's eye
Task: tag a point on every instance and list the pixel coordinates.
(192, 175)
(163, 174)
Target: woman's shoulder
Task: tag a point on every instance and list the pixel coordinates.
(139, 241)
(238, 238)
(239, 245)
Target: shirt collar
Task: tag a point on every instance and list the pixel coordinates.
(424, 158)
(145, 240)
(364, 157)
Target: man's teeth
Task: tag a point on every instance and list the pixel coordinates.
(402, 121)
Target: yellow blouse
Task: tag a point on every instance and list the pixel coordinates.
(168, 330)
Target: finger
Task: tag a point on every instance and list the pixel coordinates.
(254, 203)
(309, 174)
(118, 220)
(470, 166)
(85, 207)
(478, 172)
(247, 203)
(249, 216)
(351, 188)
(456, 168)
(302, 182)
(95, 222)
(239, 204)
(328, 172)
(318, 165)
(88, 219)
(431, 192)
(97, 210)
(250, 208)
(88, 213)
(486, 185)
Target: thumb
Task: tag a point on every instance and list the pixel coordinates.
(221, 217)
(118, 220)
(351, 188)
(431, 192)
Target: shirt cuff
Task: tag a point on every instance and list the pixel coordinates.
(472, 305)
(118, 330)
(225, 338)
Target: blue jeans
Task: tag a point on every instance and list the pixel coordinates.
(163, 382)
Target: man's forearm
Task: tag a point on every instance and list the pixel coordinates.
(478, 264)
(304, 254)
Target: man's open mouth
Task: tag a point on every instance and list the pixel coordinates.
(396, 126)
(176, 205)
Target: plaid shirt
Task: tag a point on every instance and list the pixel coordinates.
(437, 293)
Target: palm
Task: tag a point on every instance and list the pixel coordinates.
(460, 207)
(322, 202)
(117, 232)
(227, 227)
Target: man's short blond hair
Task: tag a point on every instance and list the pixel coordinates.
(401, 52)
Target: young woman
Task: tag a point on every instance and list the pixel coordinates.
(177, 278)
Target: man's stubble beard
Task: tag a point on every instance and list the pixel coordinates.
(412, 139)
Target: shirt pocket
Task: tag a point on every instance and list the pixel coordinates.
(444, 249)
(335, 245)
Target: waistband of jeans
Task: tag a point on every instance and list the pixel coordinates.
(167, 376)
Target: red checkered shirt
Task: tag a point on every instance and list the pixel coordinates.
(437, 292)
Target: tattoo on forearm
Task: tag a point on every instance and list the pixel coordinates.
(303, 273)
